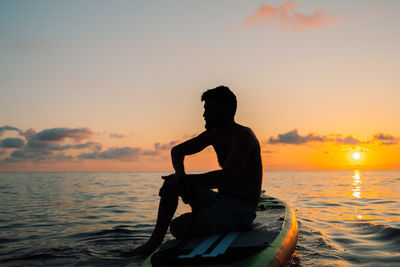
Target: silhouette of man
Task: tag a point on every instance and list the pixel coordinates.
(238, 182)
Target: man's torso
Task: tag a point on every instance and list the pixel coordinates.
(245, 185)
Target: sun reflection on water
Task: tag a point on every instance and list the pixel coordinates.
(357, 182)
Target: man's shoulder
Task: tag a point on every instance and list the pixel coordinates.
(245, 132)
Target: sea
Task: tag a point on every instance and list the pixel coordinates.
(346, 218)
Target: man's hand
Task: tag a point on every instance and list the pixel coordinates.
(180, 182)
(166, 178)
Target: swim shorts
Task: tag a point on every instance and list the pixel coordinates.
(227, 213)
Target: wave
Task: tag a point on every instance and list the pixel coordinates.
(378, 232)
(36, 255)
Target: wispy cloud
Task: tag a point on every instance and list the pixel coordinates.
(46, 145)
(386, 139)
(9, 128)
(159, 148)
(114, 153)
(51, 145)
(59, 134)
(128, 153)
(165, 146)
(266, 151)
(116, 135)
(57, 147)
(288, 18)
(348, 140)
(25, 155)
(294, 138)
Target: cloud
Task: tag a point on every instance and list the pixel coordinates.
(40, 151)
(50, 145)
(386, 139)
(128, 153)
(9, 128)
(288, 18)
(266, 151)
(47, 144)
(36, 156)
(294, 138)
(118, 136)
(59, 134)
(91, 145)
(12, 143)
(27, 155)
(114, 153)
(159, 148)
(348, 140)
(34, 144)
(166, 146)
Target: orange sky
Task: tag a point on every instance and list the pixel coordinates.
(104, 86)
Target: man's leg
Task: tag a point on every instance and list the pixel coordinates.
(168, 203)
(192, 224)
(197, 222)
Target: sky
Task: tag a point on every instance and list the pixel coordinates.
(113, 85)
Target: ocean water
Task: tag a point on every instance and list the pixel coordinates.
(346, 218)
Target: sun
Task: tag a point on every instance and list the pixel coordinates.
(356, 155)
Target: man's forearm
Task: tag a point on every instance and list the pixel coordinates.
(177, 162)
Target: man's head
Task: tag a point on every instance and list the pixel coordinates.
(219, 106)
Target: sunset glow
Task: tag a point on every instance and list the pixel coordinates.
(114, 145)
(113, 86)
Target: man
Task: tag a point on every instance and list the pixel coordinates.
(238, 182)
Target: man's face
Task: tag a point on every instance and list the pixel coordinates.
(212, 114)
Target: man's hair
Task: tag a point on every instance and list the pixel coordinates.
(224, 96)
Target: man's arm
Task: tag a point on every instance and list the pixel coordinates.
(189, 147)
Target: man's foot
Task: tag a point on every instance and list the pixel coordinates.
(145, 249)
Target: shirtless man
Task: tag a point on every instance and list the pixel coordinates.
(238, 182)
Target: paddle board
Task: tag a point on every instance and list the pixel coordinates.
(270, 242)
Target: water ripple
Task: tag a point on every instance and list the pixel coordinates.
(87, 219)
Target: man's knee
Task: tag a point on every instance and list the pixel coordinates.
(170, 187)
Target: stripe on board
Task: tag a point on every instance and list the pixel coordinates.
(223, 245)
(200, 249)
